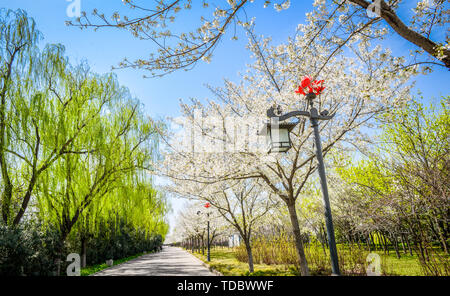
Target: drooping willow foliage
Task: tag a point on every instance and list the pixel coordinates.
(76, 149)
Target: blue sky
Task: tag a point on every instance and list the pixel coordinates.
(105, 48)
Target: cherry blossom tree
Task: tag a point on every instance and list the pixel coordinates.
(191, 225)
(347, 18)
(359, 86)
(241, 204)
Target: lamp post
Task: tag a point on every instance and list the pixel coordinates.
(279, 141)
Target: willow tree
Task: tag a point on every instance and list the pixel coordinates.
(105, 162)
(18, 37)
(70, 141)
(134, 202)
(48, 111)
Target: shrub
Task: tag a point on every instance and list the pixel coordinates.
(28, 250)
(34, 251)
(281, 250)
(116, 241)
(13, 251)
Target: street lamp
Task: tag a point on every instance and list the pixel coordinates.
(275, 133)
(207, 206)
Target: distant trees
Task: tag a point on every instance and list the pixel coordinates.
(191, 226)
(240, 204)
(393, 198)
(401, 191)
(75, 148)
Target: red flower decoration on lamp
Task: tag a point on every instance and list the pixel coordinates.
(307, 86)
(207, 205)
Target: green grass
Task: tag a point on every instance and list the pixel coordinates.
(405, 265)
(223, 260)
(88, 270)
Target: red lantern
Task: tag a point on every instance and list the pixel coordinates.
(307, 86)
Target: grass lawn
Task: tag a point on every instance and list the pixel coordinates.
(406, 265)
(391, 265)
(88, 270)
(224, 261)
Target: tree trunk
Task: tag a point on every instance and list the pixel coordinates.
(441, 236)
(390, 16)
(250, 256)
(203, 246)
(6, 181)
(409, 247)
(323, 248)
(358, 242)
(83, 251)
(374, 245)
(421, 252)
(385, 243)
(402, 237)
(324, 235)
(304, 270)
(395, 242)
(58, 267)
(26, 198)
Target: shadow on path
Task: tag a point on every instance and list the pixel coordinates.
(171, 261)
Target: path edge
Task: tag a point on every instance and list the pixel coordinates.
(110, 267)
(213, 270)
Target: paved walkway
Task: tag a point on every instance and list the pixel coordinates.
(170, 261)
